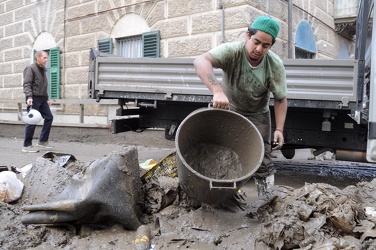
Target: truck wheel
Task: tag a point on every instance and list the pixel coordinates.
(169, 136)
(288, 153)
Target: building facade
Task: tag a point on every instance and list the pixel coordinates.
(67, 29)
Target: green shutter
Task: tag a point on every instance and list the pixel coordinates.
(105, 45)
(150, 44)
(54, 73)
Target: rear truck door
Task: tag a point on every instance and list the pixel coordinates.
(371, 143)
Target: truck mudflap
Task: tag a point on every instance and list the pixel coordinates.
(124, 125)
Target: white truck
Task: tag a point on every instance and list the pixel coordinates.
(331, 103)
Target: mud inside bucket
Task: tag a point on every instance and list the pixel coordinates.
(217, 153)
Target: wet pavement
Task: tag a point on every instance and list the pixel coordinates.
(152, 145)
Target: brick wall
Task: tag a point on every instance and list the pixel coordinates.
(188, 28)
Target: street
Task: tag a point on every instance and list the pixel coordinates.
(175, 226)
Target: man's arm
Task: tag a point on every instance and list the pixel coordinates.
(28, 85)
(204, 66)
(280, 111)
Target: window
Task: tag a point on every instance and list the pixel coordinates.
(130, 47)
(144, 45)
(53, 72)
(302, 54)
(305, 43)
(150, 41)
(105, 45)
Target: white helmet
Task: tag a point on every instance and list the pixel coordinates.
(33, 117)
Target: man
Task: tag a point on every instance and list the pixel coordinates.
(35, 86)
(251, 73)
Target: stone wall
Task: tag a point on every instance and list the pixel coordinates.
(188, 28)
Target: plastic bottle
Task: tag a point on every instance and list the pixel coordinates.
(142, 241)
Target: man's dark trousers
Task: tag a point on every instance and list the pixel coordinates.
(40, 104)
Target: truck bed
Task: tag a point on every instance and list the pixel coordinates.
(310, 83)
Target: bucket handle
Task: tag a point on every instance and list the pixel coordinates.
(222, 185)
(210, 106)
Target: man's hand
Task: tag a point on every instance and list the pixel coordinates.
(220, 100)
(278, 139)
(29, 102)
(204, 66)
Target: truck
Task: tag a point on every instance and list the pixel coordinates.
(331, 103)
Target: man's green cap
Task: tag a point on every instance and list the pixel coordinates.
(266, 24)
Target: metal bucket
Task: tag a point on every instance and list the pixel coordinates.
(217, 152)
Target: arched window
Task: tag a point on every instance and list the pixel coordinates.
(305, 43)
(45, 41)
(133, 38)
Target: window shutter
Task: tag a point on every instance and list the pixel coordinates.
(54, 73)
(150, 42)
(105, 45)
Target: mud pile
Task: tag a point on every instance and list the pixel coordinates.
(315, 216)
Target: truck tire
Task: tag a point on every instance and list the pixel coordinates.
(288, 153)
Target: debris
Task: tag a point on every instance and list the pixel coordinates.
(310, 217)
(25, 169)
(263, 183)
(10, 187)
(109, 191)
(22, 172)
(165, 167)
(176, 222)
(60, 158)
(148, 164)
(160, 192)
(142, 241)
(370, 211)
(3, 168)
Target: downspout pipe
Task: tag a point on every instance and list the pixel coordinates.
(289, 24)
(223, 38)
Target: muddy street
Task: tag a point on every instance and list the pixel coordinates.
(176, 221)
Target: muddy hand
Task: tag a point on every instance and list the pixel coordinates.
(276, 146)
(278, 141)
(221, 101)
(110, 191)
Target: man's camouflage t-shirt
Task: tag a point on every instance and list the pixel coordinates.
(248, 88)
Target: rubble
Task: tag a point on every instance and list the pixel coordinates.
(314, 216)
